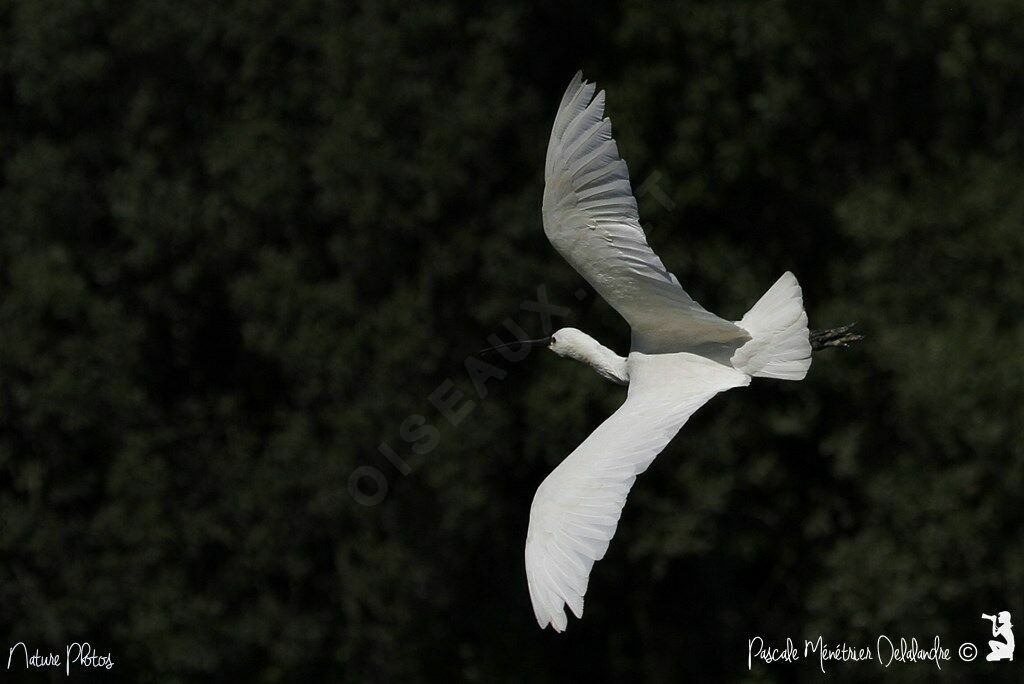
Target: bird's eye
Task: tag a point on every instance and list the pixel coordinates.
(553, 340)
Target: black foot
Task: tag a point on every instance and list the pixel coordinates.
(834, 337)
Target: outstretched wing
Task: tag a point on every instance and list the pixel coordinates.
(590, 217)
(577, 507)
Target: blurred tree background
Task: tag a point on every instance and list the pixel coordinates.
(242, 243)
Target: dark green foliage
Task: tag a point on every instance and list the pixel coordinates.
(242, 243)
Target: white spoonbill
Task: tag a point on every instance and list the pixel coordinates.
(680, 355)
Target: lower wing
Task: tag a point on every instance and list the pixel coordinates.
(577, 507)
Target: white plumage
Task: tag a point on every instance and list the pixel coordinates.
(681, 354)
(777, 324)
(590, 217)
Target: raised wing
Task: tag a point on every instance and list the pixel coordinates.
(590, 217)
(577, 507)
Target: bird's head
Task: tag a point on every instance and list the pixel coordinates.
(573, 344)
(568, 342)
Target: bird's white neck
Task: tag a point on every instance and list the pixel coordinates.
(607, 363)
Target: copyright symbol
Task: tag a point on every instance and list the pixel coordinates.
(968, 651)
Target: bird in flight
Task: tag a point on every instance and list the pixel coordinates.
(680, 354)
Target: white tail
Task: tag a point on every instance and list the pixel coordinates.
(779, 346)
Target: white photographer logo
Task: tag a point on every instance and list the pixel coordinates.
(1001, 627)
